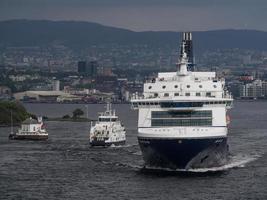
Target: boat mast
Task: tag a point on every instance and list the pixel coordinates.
(11, 121)
(183, 63)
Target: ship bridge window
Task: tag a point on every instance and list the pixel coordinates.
(181, 122)
(188, 86)
(200, 86)
(156, 94)
(197, 94)
(181, 118)
(181, 114)
(187, 94)
(163, 87)
(176, 94)
(215, 86)
(166, 94)
(176, 86)
(107, 119)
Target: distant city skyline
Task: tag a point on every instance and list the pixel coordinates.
(145, 15)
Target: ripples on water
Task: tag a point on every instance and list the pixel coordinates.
(65, 167)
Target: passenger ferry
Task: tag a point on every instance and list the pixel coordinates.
(182, 120)
(108, 130)
(30, 129)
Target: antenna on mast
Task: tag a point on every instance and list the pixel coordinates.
(183, 61)
(11, 121)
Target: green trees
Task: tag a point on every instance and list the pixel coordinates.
(77, 113)
(19, 113)
(66, 117)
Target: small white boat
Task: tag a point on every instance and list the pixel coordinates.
(30, 129)
(108, 130)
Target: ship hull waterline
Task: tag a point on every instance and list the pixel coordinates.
(100, 143)
(28, 137)
(184, 154)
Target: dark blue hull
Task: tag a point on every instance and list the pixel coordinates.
(184, 154)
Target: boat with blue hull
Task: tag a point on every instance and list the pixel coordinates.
(184, 153)
(182, 119)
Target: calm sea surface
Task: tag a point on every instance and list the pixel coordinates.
(65, 167)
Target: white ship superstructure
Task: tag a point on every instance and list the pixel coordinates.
(31, 129)
(108, 130)
(182, 122)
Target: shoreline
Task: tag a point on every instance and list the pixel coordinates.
(123, 103)
(42, 102)
(54, 119)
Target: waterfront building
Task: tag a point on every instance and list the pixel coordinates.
(56, 85)
(254, 90)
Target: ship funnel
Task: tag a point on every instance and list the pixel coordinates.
(188, 48)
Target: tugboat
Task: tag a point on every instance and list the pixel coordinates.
(108, 130)
(182, 123)
(30, 129)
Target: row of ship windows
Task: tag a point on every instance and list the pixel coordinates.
(27, 128)
(181, 122)
(181, 114)
(195, 129)
(180, 104)
(198, 94)
(29, 133)
(176, 86)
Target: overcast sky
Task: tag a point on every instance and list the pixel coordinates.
(139, 15)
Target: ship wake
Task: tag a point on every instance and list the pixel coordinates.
(235, 161)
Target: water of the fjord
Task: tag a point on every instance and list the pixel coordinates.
(65, 167)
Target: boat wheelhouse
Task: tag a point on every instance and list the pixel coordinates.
(108, 130)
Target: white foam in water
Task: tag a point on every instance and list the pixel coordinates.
(138, 153)
(234, 162)
(121, 146)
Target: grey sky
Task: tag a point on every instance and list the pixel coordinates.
(139, 15)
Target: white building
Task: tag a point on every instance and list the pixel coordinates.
(56, 85)
(255, 89)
